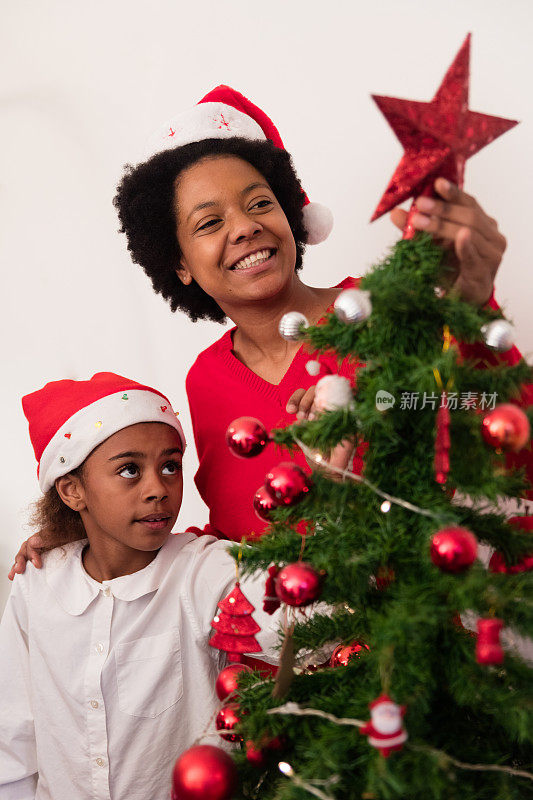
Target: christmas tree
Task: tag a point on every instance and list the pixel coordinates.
(411, 704)
(398, 553)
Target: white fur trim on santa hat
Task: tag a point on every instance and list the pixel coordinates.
(203, 121)
(318, 222)
(92, 425)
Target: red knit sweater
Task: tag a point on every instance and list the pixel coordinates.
(221, 388)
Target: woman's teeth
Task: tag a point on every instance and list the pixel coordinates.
(255, 258)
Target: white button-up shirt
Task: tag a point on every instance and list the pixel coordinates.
(103, 685)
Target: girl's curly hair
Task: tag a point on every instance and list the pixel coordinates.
(56, 523)
(145, 205)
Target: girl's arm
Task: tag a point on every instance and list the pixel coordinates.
(18, 756)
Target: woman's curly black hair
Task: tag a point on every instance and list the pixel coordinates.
(145, 205)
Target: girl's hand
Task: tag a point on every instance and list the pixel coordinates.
(472, 238)
(30, 550)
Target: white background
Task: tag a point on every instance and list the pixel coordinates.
(83, 86)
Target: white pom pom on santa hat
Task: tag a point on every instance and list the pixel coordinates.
(318, 222)
(223, 113)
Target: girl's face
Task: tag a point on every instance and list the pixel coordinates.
(131, 488)
(234, 237)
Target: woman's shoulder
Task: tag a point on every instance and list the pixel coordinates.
(349, 283)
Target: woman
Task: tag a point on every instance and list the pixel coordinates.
(218, 220)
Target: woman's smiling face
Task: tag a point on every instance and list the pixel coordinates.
(234, 237)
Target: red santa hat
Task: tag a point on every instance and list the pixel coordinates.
(223, 113)
(68, 419)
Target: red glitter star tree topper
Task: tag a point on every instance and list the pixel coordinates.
(438, 137)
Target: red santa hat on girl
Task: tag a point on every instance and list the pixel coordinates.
(68, 419)
(223, 113)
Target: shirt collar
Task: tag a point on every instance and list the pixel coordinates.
(75, 590)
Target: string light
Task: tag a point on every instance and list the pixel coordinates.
(312, 788)
(294, 710)
(346, 473)
(385, 506)
(285, 768)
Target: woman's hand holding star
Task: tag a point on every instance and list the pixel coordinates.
(472, 238)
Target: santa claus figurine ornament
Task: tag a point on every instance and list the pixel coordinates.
(385, 729)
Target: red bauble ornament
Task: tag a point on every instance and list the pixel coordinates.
(234, 626)
(453, 549)
(287, 483)
(506, 427)
(246, 437)
(264, 503)
(298, 584)
(347, 652)
(226, 720)
(255, 755)
(438, 137)
(204, 772)
(488, 647)
(226, 682)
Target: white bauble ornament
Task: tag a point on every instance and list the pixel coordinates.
(290, 325)
(353, 305)
(498, 335)
(313, 367)
(332, 392)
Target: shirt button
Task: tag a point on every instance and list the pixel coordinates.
(99, 647)
(100, 762)
(94, 703)
(107, 591)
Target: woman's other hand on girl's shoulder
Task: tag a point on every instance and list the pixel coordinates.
(32, 550)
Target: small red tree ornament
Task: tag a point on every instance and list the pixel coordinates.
(227, 718)
(488, 647)
(271, 602)
(385, 729)
(498, 563)
(246, 437)
(263, 503)
(442, 445)
(453, 549)
(344, 653)
(506, 427)
(204, 772)
(235, 627)
(287, 483)
(226, 682)
(298, 584)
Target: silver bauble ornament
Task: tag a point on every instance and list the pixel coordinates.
(498, 335)
(290, 325)
(353, 305)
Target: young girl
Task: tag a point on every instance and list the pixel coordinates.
(104, 654)
(218, 220)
